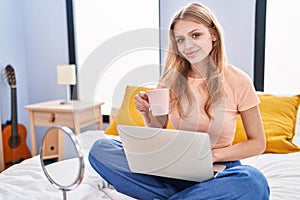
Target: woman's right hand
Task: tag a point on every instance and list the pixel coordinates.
(141, 102)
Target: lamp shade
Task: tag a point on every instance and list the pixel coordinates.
(66, 75)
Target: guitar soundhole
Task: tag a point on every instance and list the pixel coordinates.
(14, 141)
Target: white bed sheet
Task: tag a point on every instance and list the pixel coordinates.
(27, 180)
(282, 172)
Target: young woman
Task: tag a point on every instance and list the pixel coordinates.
(206, 94)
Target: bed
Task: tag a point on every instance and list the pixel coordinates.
(27, 180)
(280, 163)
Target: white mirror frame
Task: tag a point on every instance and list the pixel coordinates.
(79, 178)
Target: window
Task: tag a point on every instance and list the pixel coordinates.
(282, 69)
(117, 44)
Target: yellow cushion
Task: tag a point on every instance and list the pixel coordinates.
(279, 114)
(128, 114)
(112, 128)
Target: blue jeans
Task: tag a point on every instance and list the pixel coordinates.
(235, 182)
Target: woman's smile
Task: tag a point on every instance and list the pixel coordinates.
(191, 54)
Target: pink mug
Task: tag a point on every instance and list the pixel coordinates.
(159, 101)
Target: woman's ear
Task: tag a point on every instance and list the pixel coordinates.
(214, 37)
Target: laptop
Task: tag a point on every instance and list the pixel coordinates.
(169, 153)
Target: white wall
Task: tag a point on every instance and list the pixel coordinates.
(12, 51)
(33, 39)
(46, 47)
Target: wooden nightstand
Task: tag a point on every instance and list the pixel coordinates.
(76, 114)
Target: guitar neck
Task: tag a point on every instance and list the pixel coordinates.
(14, 111)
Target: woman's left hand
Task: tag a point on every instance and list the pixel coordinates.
(214, 153)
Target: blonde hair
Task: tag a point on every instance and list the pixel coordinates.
(177, 67)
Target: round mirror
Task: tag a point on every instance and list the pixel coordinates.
(61, 158)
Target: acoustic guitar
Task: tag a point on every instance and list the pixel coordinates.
(14, 135)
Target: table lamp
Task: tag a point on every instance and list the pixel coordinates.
(66, 75)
